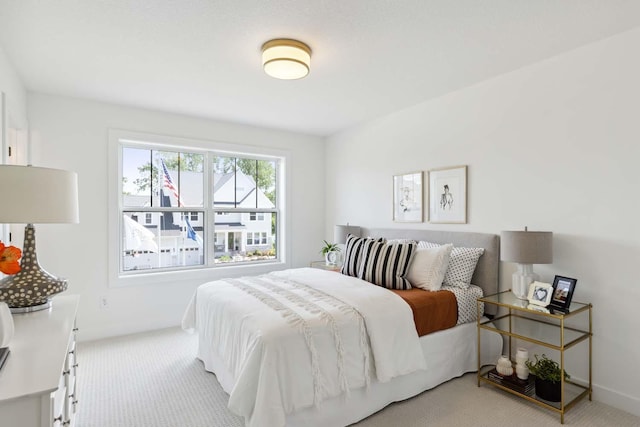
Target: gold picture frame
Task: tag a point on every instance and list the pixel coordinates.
(448, 195)
(408, 197)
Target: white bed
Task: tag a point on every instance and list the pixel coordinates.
(266, 367)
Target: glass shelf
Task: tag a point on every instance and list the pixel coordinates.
(537, 331)
(508, 299)
(572, 392)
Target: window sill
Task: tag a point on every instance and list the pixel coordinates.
(203, 274)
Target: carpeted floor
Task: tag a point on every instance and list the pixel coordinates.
(154, 380)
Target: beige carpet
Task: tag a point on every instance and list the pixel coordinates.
(154, 380)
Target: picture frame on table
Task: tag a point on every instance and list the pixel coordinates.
(407, 197)
(448, 195)
(540, 294)
(563, 289)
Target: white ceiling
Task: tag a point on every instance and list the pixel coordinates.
(370, 57)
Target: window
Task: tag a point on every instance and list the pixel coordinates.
(188, 196)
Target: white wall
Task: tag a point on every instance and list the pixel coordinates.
(73, 134)
(554, 146)
(14, 90)
(13, 130)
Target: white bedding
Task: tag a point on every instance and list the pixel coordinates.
(291, 339)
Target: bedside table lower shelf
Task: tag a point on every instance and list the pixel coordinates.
(573, 392)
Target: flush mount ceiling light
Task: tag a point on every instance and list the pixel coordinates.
(286, 59)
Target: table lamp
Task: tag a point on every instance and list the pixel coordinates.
(341, 232)
(35, 195)
(525, 248)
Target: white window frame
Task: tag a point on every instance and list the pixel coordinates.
(192, 273)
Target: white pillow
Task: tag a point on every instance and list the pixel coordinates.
(428, 267)
(461, 265)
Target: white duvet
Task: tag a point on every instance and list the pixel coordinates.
(293, 338)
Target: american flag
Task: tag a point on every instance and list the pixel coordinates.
(168, 182)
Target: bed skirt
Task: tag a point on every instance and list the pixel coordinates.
(449, 354)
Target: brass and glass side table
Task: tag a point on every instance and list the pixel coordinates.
(324, 266)
(555, 330)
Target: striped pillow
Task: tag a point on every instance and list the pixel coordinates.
(353, 254)
(386, 265)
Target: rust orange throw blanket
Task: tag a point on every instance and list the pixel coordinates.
(432, 311)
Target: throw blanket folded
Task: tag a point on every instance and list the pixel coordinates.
(293, 338)
(432, 311)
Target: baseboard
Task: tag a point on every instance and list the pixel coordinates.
(617, 399)
(111, 331)
(613, 398)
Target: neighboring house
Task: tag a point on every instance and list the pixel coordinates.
(238, 234)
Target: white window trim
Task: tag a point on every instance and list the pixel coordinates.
(118, 279)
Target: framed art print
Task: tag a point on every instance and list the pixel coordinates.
(448, 195)
(407, 197)
(563, 288)
(540, 294)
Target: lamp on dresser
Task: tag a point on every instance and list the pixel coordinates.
(525, 248)
(35, 195)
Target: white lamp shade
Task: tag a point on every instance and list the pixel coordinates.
(341, 232)
(527, 247)
(286, 59)
(34, 195)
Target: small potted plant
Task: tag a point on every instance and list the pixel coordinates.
(330, 252)
(548, 377)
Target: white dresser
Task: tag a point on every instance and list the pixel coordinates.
(38, 381)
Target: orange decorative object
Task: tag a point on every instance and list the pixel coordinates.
(9, 256)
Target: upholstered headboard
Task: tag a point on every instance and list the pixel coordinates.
(486, 273)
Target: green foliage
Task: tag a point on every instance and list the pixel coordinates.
(546, 369)
(262, 172)
(149, 174)
(224, 258)
(329, 247)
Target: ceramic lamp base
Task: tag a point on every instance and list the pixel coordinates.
(31, 288)
(31, 308)
(522, 279)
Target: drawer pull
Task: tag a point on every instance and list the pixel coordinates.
(66, 423)
(75, 402)
(74, 329)
(75, 366)
(56, 419)
(72, 352)
(67, 372)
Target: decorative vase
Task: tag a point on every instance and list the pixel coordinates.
(504, 366)
(522, 371)
(547, 390)
(522, 355)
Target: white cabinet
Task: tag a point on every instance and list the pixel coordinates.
(38, 381)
